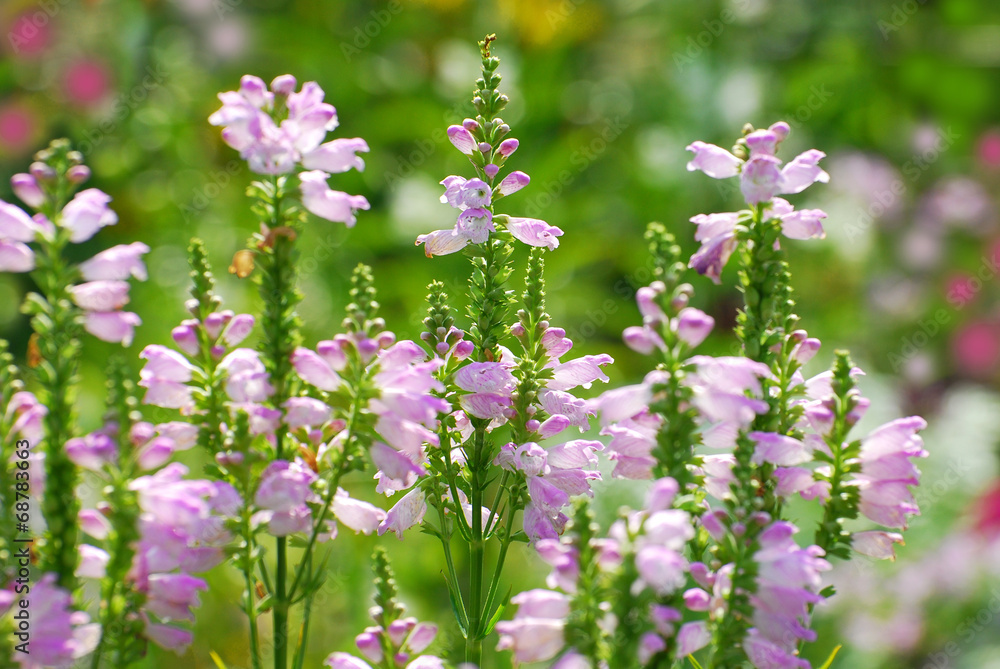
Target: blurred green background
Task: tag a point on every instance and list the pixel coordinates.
(902, 95)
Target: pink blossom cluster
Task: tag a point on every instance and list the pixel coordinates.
(474, 198)
(280, 130)
(105, 288)
(762, 179)
(404, 640)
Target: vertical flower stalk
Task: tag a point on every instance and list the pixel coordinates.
(280, 131)
(62, 312)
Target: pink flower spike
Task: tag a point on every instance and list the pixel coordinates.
(113, 326)
(513, 182)
(713, 160)
(462, 139)
(26, 187)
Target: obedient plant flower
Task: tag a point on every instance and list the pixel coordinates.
(536, 632)
(59, 634)
(395, 639)
(762, 179)
(280, 131)
(788, 585)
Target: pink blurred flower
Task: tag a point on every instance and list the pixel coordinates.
(87, 82)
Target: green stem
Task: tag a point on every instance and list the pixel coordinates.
(251, 605)
(473, 646)
(57, 330)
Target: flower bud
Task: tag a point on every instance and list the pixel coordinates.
(463, 350)
(26, 187)
(507, 147)
(472, 125)
(283, 84)
(41, 171)
(491, 170)
(693, 326)
(78, 174)
(462, 139)
(485, 147)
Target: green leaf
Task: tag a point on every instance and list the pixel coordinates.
(459, 614)
(496, 615)
(694, 662)
(829, 660)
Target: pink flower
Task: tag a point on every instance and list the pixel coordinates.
(536, 632)
(15, 224)
(16, 257)
(92, 451)
(306, 412)
(462, 139)
(513, 182)
(357, 515)
(886, 471)
(534, 232)
(59, 635)
(876, 544)
(112, 326)
(26, 187)
(100, 295)
(87, 213)
(475, 225)
(442, 242)
(406, 513)
(336, 156)
(333, 205)
(693, 326)
(713, 160)
(116, 264)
